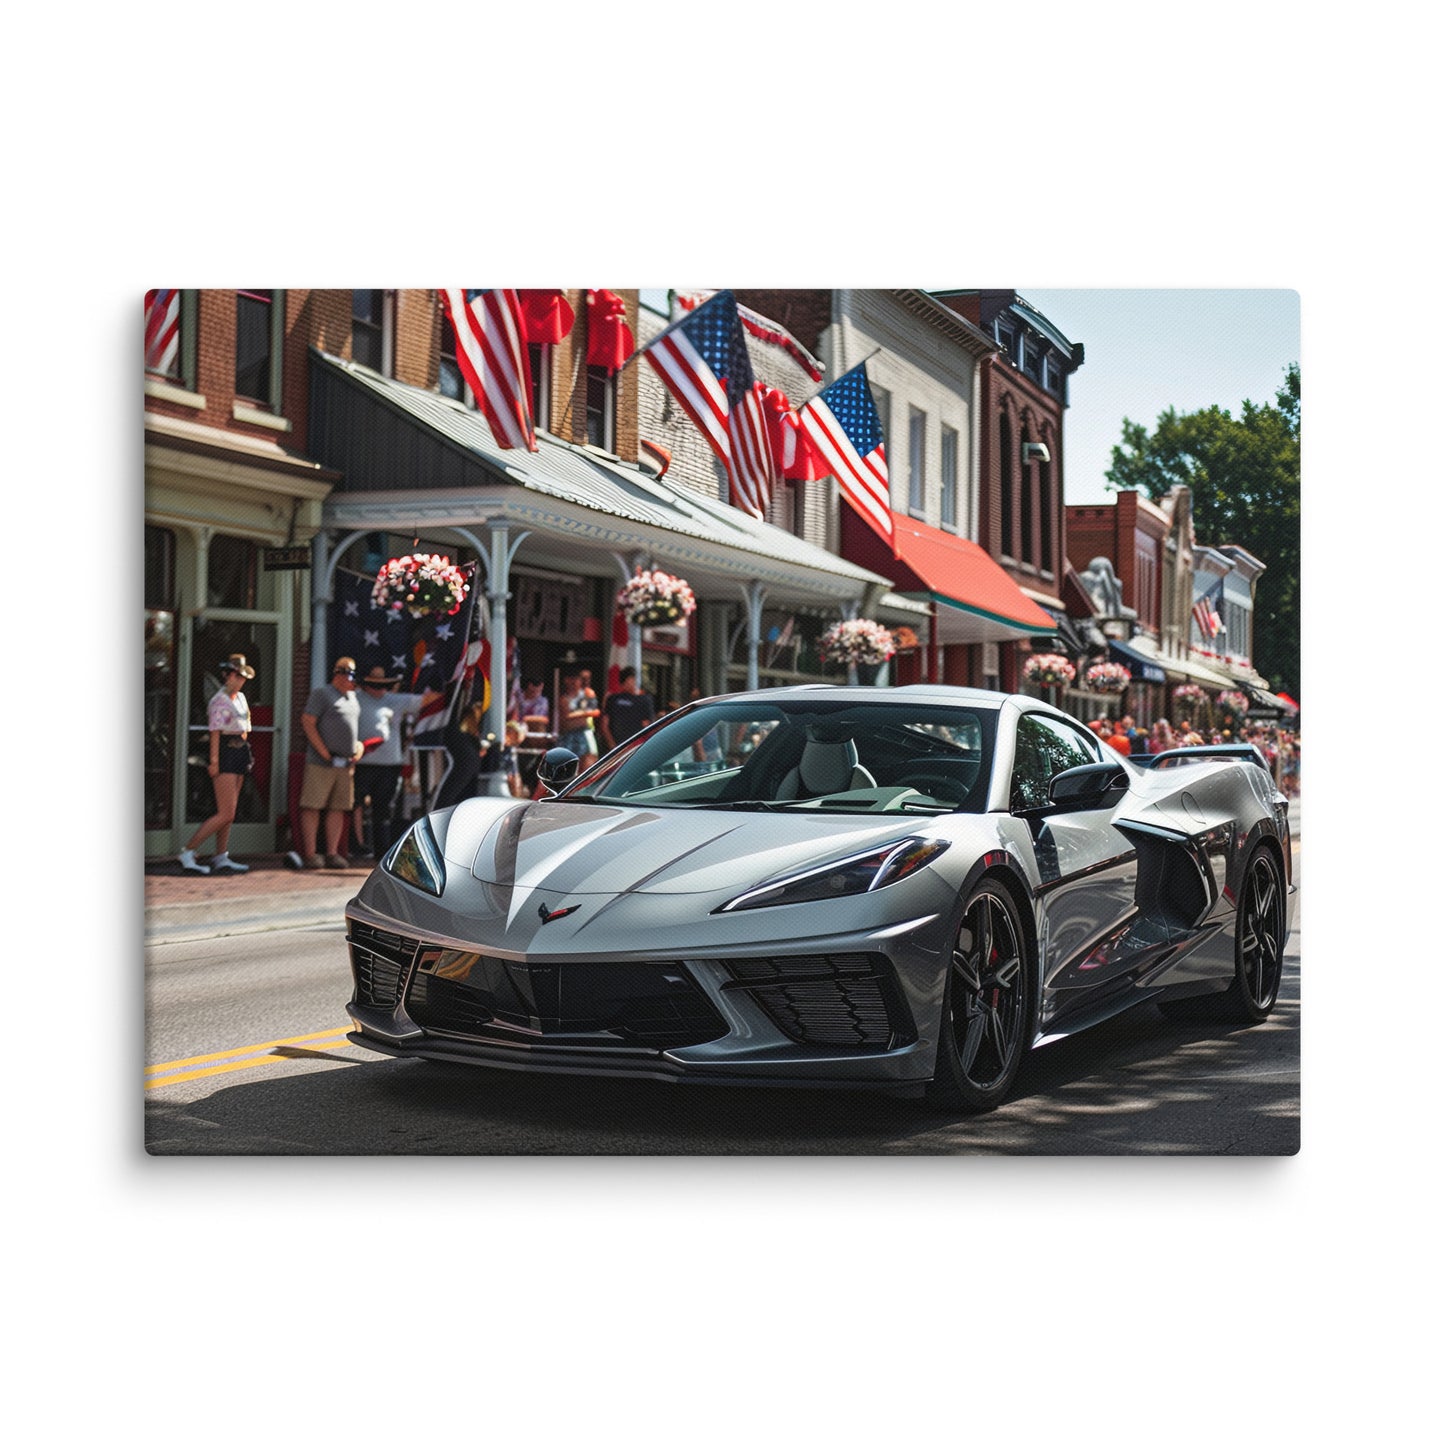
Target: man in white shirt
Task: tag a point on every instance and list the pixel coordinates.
(378, 774)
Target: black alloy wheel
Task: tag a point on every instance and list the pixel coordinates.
(986, 1005)
(1258, 940)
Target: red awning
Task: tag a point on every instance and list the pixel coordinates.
(977, 600)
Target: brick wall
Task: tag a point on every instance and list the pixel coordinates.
(418, 337)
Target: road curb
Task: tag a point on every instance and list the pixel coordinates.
(174, 922)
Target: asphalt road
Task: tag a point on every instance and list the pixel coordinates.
(246, 1054)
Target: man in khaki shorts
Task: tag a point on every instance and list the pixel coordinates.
(332, 724)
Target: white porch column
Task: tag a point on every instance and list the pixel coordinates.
(499, 571)
(753, 595)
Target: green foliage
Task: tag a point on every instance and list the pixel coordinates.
(1244, 475)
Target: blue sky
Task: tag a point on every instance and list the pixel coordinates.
(1147, 350)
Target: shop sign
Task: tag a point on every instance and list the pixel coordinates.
(286, 559)
(669, 636)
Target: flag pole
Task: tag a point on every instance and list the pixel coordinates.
(671, 326)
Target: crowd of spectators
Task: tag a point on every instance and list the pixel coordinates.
(1279, 745)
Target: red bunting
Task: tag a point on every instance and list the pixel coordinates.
(609, 337)
(547, 315)
(793, 454)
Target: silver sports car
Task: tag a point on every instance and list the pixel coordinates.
(901, 888)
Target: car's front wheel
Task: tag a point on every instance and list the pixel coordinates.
(986, 1005)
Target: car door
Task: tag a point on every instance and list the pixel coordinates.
(1087, 870)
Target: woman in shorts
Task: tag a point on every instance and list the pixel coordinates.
(229, 719)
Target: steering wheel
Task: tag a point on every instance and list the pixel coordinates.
(939, 782)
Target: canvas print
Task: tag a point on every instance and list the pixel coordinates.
(722, 721)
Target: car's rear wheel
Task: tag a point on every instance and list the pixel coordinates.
(1259, 938)
(986, 1005)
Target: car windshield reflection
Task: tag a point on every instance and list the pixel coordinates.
(803, 754)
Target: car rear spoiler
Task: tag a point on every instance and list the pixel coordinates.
(1239, 752)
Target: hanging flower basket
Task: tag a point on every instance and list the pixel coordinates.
(421, 585)
(1110, 677)
(1049, 669)
(652, 599)
(1234, 703)
(905, 639)
(858, 640)
(1189, 695)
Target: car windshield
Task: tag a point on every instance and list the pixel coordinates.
(804, 753)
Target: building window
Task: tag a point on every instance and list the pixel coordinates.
(948, 504)
(1046, 517)
(1033, 366)
(1005, 486)
(160, 674)
(258, 348)
(449, 372)
(601, 408)
(539, 360)
(372, 330)
(232, 566)
(916, 436)
(1027, 546)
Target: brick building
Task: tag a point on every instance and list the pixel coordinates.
(927, 364)
(295, 439)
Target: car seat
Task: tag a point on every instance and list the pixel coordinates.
(827, 766)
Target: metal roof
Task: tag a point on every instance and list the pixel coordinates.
(577, 476)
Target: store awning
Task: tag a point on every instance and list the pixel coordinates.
(1141, 668)
(976, 600)
(1178, 669)
(412, 458)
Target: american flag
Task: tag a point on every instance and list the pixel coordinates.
(491, 333)
(429, 654)
(764, 330)
(163, 331)
(1205, 617)
(703, 361)
(842, 423)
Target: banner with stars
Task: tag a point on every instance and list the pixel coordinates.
(427, 653)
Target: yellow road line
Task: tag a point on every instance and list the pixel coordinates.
(249, 1049)
(249, 1063)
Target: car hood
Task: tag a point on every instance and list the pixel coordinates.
(577, 849)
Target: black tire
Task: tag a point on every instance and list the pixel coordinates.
(987, 1006)
(1259, 938)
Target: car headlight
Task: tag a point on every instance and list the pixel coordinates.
(861, 873)
(417, 860)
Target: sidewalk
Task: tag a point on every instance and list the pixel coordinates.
(186, 905)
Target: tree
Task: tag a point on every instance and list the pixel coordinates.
(1244, 477)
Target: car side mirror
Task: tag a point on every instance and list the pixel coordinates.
(1094, 785)
(557, 768)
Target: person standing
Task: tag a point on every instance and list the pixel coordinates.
(331, 722)
(378, 774)
(626, 711)
(536, 711)
(579, 710)
(228, 719)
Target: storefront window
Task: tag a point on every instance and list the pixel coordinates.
(160, 674)
(232, 568)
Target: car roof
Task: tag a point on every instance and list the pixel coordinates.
(922, 692)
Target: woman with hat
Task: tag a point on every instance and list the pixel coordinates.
(229, 719)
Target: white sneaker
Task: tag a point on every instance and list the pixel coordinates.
(188, 862)
(224, 863)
